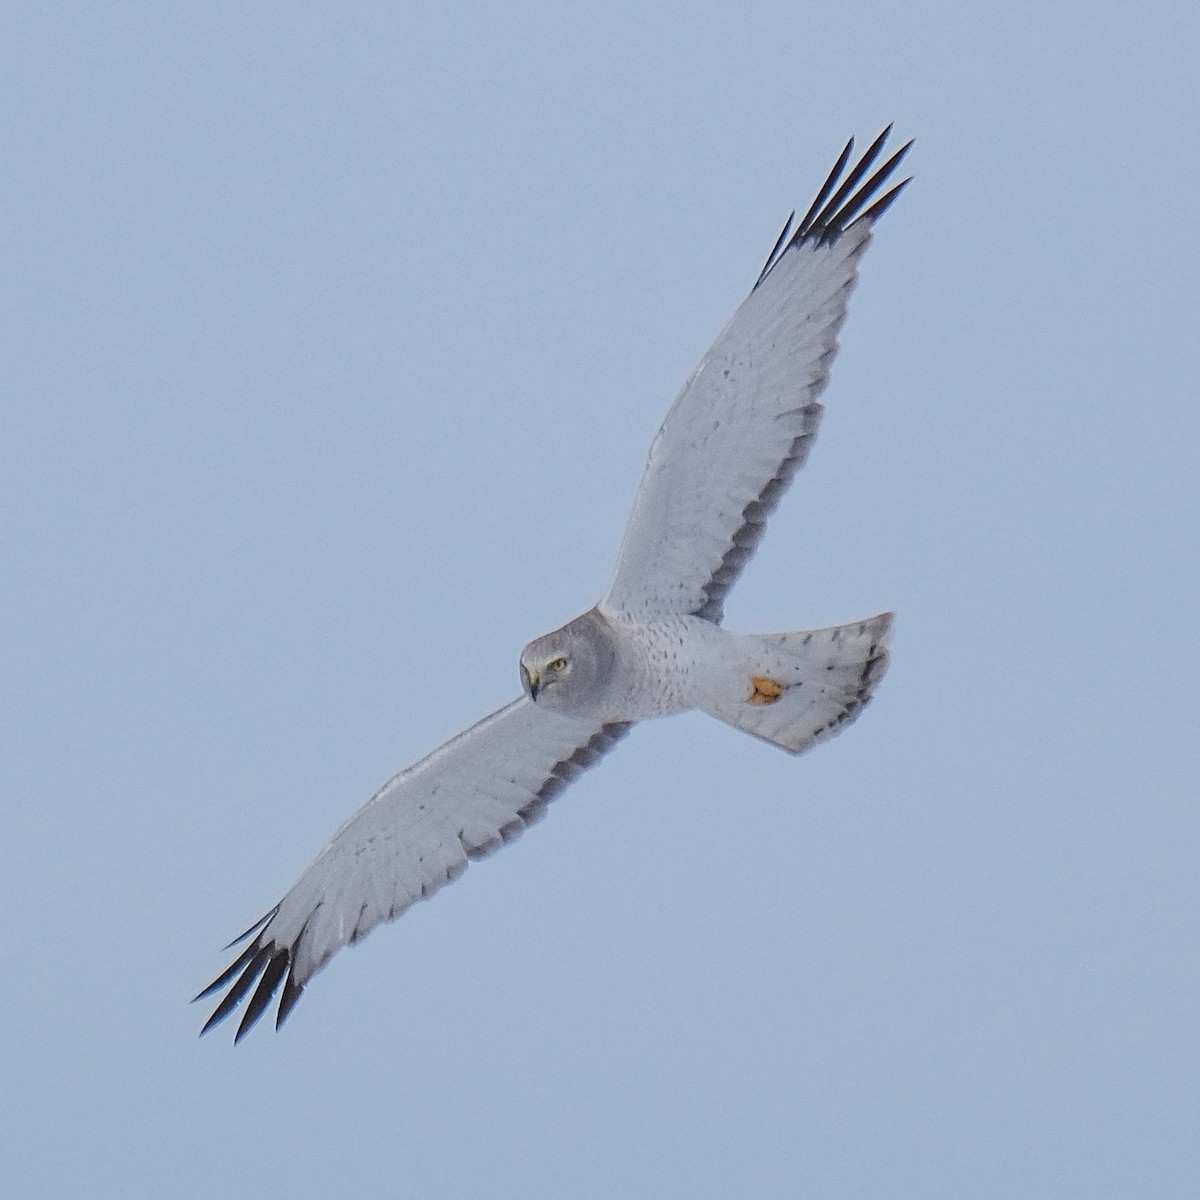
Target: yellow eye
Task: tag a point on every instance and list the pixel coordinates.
(559, 664)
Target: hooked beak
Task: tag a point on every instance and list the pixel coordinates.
(530, 680)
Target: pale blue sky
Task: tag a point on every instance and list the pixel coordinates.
(333, 340)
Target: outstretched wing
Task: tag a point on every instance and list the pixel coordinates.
(743, 424)
(478, 791)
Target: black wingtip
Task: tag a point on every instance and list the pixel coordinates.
(872, 186)
(783, 235)
(279, 963)
(884, 202)
(841, 203)
(292, 991)
(229, 972)
(261, 965)
(829, 212)
(829, 184)
(261, 957)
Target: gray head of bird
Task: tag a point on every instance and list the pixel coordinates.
(568, 670)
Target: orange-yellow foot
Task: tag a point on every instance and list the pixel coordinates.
(765, 690)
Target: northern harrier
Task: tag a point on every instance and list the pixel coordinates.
(730, 445)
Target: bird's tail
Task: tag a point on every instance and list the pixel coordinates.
(797, 689)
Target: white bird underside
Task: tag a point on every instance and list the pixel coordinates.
(727, 450)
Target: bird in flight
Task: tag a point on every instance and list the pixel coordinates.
(726, 452)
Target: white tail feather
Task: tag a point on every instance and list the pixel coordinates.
(797, 689)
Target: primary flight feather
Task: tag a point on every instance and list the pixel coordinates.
(739, 430)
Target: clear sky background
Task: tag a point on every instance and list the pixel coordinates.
(333, 341)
